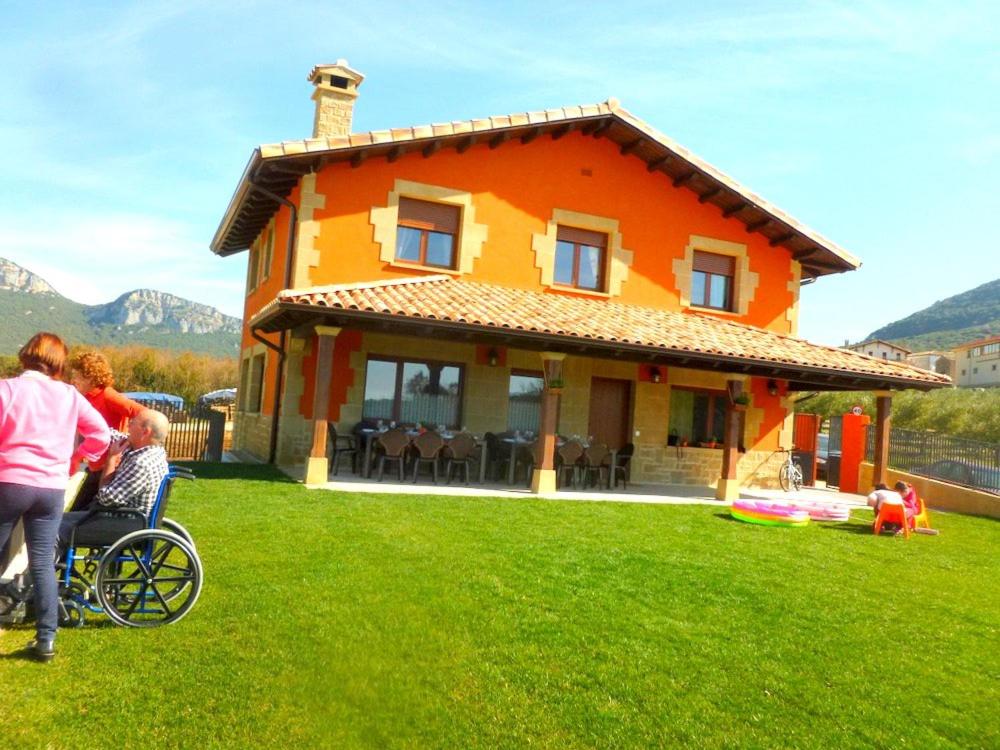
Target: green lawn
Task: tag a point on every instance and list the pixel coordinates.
(333, 620)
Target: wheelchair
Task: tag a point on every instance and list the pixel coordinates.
(140, 571)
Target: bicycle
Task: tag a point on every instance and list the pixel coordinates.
(790, 473)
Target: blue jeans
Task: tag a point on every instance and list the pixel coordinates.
(41, 509)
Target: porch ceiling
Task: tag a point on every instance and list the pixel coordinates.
(430, 306)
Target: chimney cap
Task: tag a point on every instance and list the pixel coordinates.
(340, 69)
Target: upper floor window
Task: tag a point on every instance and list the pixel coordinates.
(580, 258)
(426, 233)
(712, 280)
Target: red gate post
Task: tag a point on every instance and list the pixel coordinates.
(852, 449)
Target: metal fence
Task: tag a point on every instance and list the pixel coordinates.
(966, 462)
(189, 431)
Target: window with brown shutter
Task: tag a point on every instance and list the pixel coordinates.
(712, 280)
(580, 258)
(426, 232)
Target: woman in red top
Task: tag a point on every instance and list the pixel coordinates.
(92, 376)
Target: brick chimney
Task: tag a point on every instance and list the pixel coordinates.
(336, 89)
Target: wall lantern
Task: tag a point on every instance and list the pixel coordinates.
(654, 374)
(772, 387)
(493, 357)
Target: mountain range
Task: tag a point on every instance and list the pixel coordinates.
(146, 317)
(965, 317)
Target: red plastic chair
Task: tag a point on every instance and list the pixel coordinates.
(893, 513)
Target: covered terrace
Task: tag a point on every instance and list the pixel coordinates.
(560, 327)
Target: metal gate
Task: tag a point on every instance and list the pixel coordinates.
(834, 452)
(804, 436)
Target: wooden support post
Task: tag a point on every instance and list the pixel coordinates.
(729, 486)
(317, 465)
(543, 478)
(883, 421)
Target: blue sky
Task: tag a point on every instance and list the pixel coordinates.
(126, 126)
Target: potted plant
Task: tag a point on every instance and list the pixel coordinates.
(741, 402)
(555, 385)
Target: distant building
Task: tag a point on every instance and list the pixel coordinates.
(880, 350)
(978, 363)
(942, 362)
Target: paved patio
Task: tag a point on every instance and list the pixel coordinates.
(660, 494)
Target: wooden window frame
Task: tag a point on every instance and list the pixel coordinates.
(602, 274)
(397, 400)
(730, 302)
(712, 394)
(426, 228)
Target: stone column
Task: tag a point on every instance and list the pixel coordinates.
(318, 465)
(729, 486)
(883, 421)
(543, 478)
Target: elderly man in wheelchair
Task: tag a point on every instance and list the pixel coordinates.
(122, 557)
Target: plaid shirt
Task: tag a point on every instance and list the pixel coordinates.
(136, 480)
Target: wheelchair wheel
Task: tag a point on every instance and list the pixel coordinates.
(71, 614)
(171, 525)
(148, 578)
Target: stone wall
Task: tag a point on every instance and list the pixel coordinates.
(656, 463)
(252, 433)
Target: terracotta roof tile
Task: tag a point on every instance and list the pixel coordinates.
(448, 299)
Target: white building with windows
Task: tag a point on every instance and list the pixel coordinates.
(978, 363)
(880, 350)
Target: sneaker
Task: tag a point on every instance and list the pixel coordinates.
(42, 650)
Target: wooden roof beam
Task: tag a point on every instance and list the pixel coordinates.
(657, 163)
(563, 130)
(465, 144)
(394, 153)
(756, 226)
(530, 136)
(499, 139)
(358, 158)
(431, 148)
(782, 238)
(706, 197)
(800, 254)
(602, 128)
(733, 210)
(682, 179)
(631, 146)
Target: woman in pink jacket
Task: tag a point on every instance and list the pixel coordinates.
(40, 418)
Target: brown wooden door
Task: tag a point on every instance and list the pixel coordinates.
(609, 411)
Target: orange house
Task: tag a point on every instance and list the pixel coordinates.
(566, 272)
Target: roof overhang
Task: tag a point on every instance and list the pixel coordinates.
(302, 309)
(278, 168)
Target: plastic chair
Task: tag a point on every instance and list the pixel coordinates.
(893, 513)
(340, 446)
(596, 465)
(459, 453)
(923, 518)
(427, 448)
(621, 466)
(393, 445)
(568, 456)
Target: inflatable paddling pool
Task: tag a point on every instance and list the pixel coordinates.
(823, 511)
(769, 513)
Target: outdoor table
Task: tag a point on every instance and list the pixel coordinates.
(514, 443)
